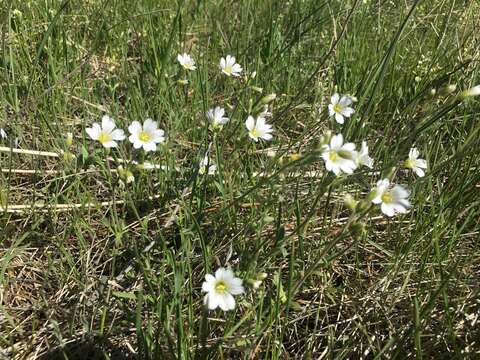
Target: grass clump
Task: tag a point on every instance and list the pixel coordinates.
(307, 184)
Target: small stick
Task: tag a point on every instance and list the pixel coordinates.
(28, 152)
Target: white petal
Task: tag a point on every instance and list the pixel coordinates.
(388, 209)
(150, 146)
(94, 131)
(331, 112)
(236, 69)
(212, 301)
(250, 123)
(339, 118)
(350, 147)
(334, 99)
(419, 172)
(158, 136)
(207, 286)
(413, 154)
(345, 101)
(377, 199)
(109, 144)
(137, 144)
(398, 192)
(149, 126)
(347, 112)
(107, 124)
(219, 273)
(135, 128)
(337, 141)
(118, 135)
(421, 163)
(267, 136)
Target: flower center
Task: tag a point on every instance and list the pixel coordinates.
(409, 164)
(104, 137)
(221, 287)
(387, 197)
(228, 69)
(333, 156)
(144, 136)
(337, 108)
(254, 132)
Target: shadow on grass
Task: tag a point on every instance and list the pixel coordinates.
(88, 349)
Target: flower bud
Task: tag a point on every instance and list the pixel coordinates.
(446, 90)
(294, 157)
(182, 82)
(68, 156)
(357, 230)
(325, 138)
(350, 202)
(268, 99)
(257, 89)
(364, 204)
(69, 139)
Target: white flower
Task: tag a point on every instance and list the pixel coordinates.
(106, 134)
(362, 156)
(338, 156)
(216, 117)
(3, 134)
(394, 200)
(258, 129)
(229, 66)
(221, 288)
(474, 91)
(147, 135)
(186, 61)
(340, 107)
(413, 162)
(206, 166)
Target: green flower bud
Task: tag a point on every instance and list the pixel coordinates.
(268, 99)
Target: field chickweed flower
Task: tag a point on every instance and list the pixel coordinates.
(258, 129)
(413, 162)
(474, 91)
(221, 288)
(338, 156)
(340, 107)
(186, 61)
(207, 167)
(147, 135)
(217, 117)
(106, 134)
(394, 200)
(363, 158)
(229, 66)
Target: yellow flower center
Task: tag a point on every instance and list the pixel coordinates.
(221, 287)
(254, 132)
(144, 136)
(387, 197)
(228, 69)
(337, 108)
(409, 164)
(104, 137)
(333, 156)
